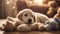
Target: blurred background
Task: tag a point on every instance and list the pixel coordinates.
(12, 7)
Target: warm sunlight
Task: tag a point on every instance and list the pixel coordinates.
(39, 2)
(7, 2)
(34, 2)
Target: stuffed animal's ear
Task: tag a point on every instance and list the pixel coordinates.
(58, 11)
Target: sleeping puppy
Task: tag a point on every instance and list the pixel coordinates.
(30, 17)
(53, 23)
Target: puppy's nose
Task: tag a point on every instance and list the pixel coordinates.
(29, 21)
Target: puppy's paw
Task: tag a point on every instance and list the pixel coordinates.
(23, 28)
(41, 27)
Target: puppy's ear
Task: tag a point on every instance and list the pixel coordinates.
(19, 15)
(34, 18)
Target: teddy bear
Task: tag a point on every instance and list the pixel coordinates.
(53, 23)
(53, 6)
(10, 25)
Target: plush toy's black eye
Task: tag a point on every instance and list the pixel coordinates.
(25, 15)
(47, 22)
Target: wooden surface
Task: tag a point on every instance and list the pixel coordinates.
(31, 32)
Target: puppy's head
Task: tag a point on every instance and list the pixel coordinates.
(26, 15)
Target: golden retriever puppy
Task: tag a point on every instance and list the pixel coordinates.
(30, 17)
(27, 16)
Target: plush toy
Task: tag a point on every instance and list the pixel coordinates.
(8, 27)
(58, 17)
(53, 7)
(53, 23)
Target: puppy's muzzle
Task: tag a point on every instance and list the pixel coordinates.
(29, 21)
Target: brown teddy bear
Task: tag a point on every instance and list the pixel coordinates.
(53, 7)
(10, 25)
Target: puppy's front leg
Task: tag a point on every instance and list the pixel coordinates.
(23, 28)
